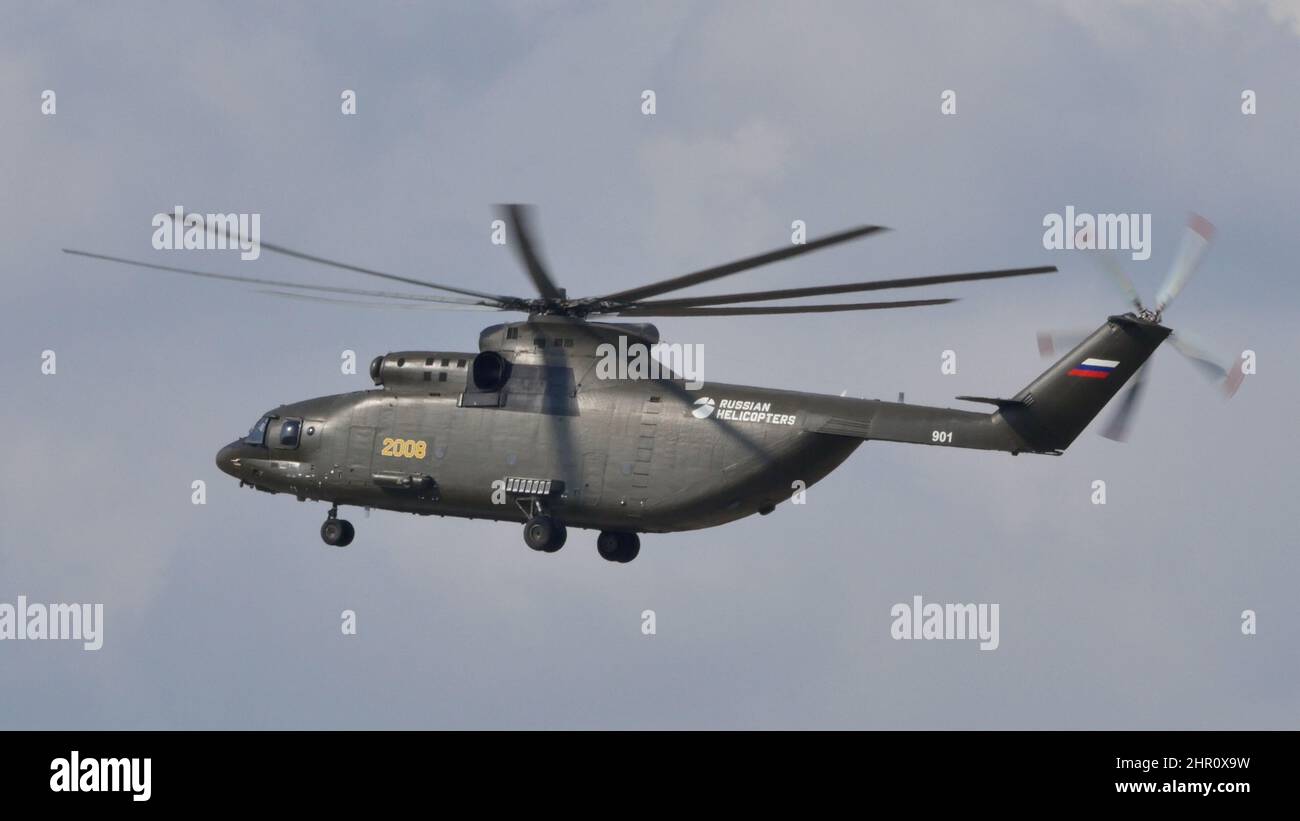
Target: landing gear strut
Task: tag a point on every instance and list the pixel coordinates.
(617, 546)
(544, 533)
(337, 532)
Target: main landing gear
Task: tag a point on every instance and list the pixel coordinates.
(617, 546)
(337, 532)
(543, 533)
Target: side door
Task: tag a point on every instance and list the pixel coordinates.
(361, 448)
(593, 478)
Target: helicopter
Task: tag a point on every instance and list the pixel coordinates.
(525, 429)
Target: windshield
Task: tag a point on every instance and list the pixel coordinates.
(257, 433)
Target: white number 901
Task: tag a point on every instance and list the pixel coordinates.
(941, 436)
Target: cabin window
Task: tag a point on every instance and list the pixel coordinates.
(401, 360)
(512, 333)
(442, 376)
(289, 431)
(460, 363)
(539, 342)
(568, 343)
(428, 376)
(446, 362)
(428, 362)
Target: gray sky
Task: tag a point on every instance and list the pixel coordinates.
(227, 615)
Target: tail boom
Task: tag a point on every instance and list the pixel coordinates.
(1044, 417)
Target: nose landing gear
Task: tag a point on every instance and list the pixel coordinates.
(618, 546)
(337, 532)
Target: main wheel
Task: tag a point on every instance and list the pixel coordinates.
(558, 537)
(618, 546)
(629, 547)
(607, 545)
(337, 532)
(539, 532)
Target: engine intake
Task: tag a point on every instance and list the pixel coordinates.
(433, 371)
(491, 371)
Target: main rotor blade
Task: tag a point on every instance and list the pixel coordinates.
(719, 271)
(1117, 427)
(410, 306)
(521, 227)
(289, 252)
(1196, 239)
(276, 282)
(742, 310)
(826, 290)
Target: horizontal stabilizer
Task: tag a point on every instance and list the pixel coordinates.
(992, 400)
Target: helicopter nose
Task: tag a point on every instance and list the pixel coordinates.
(228, 459)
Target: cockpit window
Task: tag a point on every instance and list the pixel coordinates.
(289, 432)
(257, 433)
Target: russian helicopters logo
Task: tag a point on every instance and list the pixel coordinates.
(737, 410)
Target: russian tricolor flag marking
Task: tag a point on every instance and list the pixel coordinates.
(1094, 368)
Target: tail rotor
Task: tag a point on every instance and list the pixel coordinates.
(1224, 372)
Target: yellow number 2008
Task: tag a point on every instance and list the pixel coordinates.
(404, 448)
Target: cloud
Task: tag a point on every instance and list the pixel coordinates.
(1285, 11)
(711, 188)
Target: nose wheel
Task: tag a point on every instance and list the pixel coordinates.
(617, 546)
(337, 532)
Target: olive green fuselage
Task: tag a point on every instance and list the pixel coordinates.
(535, 424)
(626, 455)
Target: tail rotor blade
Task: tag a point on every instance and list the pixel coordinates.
(1111, 265)
(1055, 343)
(1046, 344)
(1234, 380)
(1117, 427)
(1204, 361)
(1195, 242)
(1227, 374)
